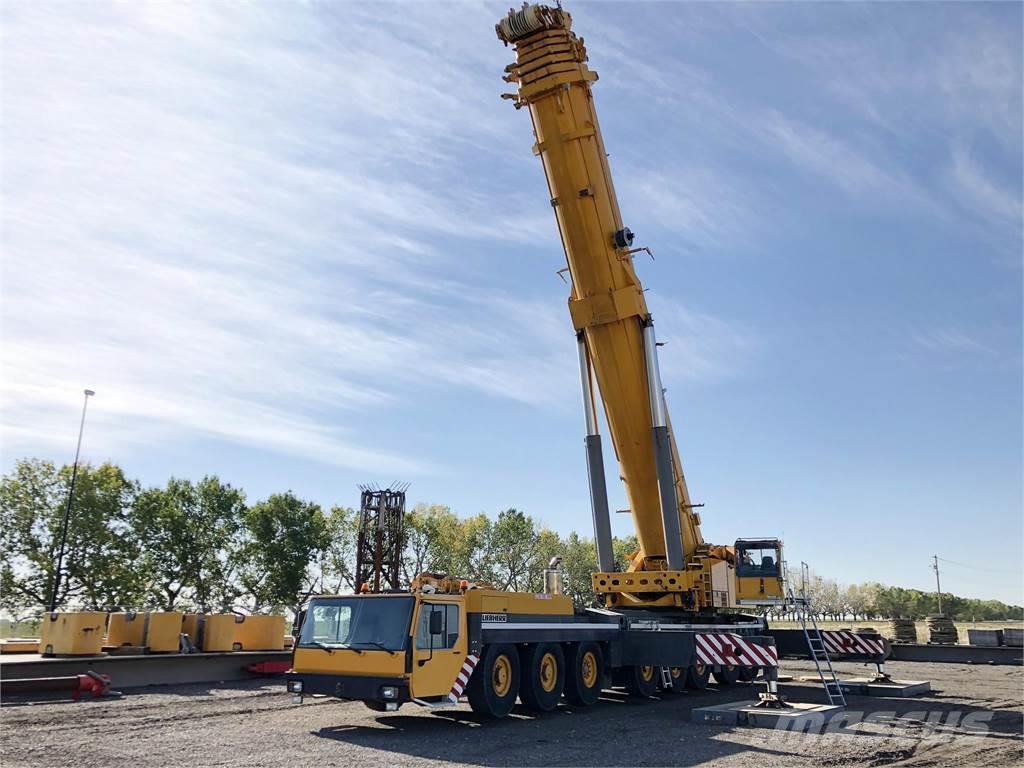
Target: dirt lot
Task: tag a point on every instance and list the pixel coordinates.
(972, 717)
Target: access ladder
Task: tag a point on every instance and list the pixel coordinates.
(815, 642)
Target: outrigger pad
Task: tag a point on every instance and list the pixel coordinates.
(796, 716)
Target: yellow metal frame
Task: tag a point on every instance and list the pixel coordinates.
(606, 301)
(643, 581)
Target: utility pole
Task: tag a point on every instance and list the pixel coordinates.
(938, 588)
(67, 510)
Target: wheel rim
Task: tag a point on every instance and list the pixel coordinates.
(501, 676)
(647, 673)
(699, 667)
(548, 672)
(676, 672)
(588, 669)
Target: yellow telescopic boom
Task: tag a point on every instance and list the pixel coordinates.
(615, 329)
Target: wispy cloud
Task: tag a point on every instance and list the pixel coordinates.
(702, 206)
(230, 223)
(823, 154)
(950, 340)
(978, 191)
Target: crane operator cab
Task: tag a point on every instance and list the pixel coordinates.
(759, 578)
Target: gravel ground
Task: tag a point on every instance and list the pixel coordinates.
(972, 717)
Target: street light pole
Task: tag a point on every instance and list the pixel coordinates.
(67, 510)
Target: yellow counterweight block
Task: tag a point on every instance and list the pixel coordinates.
(72, 634)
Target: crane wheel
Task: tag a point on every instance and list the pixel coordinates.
(748, 674)
(584, 670)
(678, 675)
(697, 675)
(727, 675)
(641, 681)
(493, 688)
(543, 676)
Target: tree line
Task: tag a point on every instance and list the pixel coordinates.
(831, 600)
(202, 546)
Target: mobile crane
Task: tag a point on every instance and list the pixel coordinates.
(674, 616)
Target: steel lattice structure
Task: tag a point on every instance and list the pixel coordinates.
(381, 537)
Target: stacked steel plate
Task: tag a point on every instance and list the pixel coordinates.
(941, 630)
(903, 630)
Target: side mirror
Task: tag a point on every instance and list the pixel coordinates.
(436, 625)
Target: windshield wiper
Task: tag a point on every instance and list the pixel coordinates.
(376, 644)
(333, 648)
(324, 646)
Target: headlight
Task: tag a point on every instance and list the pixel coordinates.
(389, 692)
(295, 686)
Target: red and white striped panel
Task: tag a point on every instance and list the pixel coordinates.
(462, 679)
(840, 642)
(727, 648)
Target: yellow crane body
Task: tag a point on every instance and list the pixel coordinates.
(673, 565)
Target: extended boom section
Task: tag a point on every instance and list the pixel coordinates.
(609, 313)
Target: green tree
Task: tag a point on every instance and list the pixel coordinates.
(433, 541)
(579, 561)
(100, 560)
(513, 542)
(189, 536)
(338, 558)
(476, 552)
(284, 536)
(623, 550)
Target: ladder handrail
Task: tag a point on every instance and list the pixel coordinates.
(833, 690)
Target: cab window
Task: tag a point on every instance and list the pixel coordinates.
(757, 561)
(359, 622)
(449, 623)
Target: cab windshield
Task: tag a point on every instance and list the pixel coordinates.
(358, 622)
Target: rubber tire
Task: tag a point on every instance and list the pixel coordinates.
(748, 674)
(480, 691)
(726, 677)
(678, 680)
(636, 685)
(695, 680)
(531, 692)
(576, 691)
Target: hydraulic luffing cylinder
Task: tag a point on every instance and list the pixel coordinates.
(595, 466)
(663, 453)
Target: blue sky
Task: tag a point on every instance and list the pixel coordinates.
(305, 246)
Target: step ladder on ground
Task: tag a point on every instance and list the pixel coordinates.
(666, 678)
(815, 644)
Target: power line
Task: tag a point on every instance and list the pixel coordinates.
(979, 568)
